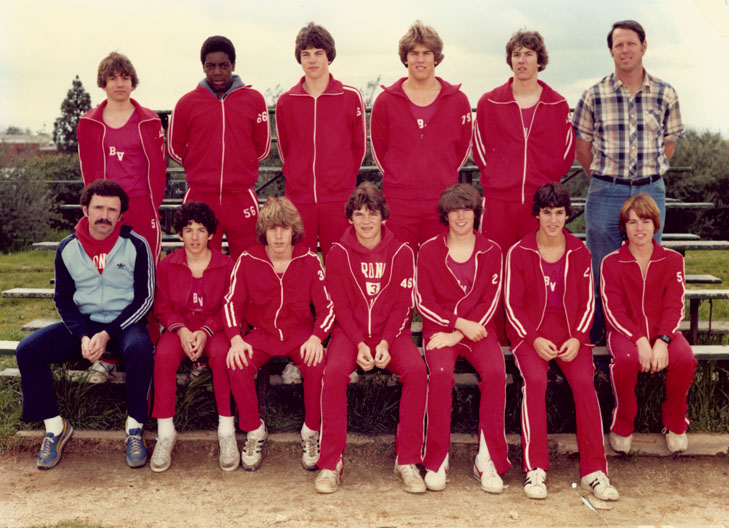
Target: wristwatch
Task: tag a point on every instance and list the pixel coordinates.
(665, 338)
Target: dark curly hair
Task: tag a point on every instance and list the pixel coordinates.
(104, 188)
(217, 43)
(195, 212)
(550, 196)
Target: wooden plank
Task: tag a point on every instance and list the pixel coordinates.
(717, 327)
(7, 348)
(695, 245)
(693, 294)
(702, 279)
(37, 324)
(29, 293)
(666, 236)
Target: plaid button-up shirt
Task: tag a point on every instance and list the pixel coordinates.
(628, 133)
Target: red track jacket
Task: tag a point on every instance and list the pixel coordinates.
(219, 142)
(174, 282)
(371, 310)
(525, 291)
(280, 306)
(515, 164)
(322, 141)
(419, 163)
(90, 133)
(439, 297)
(638, 307)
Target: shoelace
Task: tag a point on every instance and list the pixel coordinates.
(46, 445)
(253, 445)
(164, 449)
(536, 477)
(310, 445)
(134, 444)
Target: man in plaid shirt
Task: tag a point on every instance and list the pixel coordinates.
(626, 127)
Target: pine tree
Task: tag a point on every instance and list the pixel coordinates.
(76, 104)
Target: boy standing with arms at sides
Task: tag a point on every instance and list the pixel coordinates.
(219, 132)
(322, 139)
(421, 133)
(522, 140)
(370, 276)
(120, 140)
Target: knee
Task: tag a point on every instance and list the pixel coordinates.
(134, 343)
(626, 363)
(24, 352)
(441, 377)
(535, 382)
(492, 373)
(416, 374)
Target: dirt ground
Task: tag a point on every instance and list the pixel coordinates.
(93, 485)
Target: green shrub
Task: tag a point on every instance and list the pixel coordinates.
(25, 210)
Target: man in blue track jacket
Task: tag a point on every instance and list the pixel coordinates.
(104, 289)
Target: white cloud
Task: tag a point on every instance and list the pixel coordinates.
(44, 44)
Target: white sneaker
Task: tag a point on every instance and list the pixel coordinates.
(328, 480)
(436, 480)
(535, 486)
(162, 455)
(251, 455)
(676, 442)
(228, 458)
(620, 444)
(310, 451)
(488, 476)
(291, 374)
(410, 477)
(598, 483)
(100, 372)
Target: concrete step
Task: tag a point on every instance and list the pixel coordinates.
(644, 444)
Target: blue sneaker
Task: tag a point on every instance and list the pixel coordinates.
(50, 451)
(136, 450)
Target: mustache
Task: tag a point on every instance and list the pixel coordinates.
(102, 221)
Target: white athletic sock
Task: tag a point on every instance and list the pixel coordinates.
(226, 425)
(166, 427)
(132, 424)
(306, 432)
(483, 451)
(54, 425)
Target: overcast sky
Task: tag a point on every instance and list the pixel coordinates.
(44, 44)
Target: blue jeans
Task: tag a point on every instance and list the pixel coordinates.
(55, 344)
(602, 217)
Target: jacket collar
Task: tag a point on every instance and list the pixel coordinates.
(503, 93)
(180, 258)
(446, 88)
(334, 87)
(624, 254)
(97, 114)
(571, 241)
(237, 83)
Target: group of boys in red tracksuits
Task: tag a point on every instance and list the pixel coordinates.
(422, 132)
